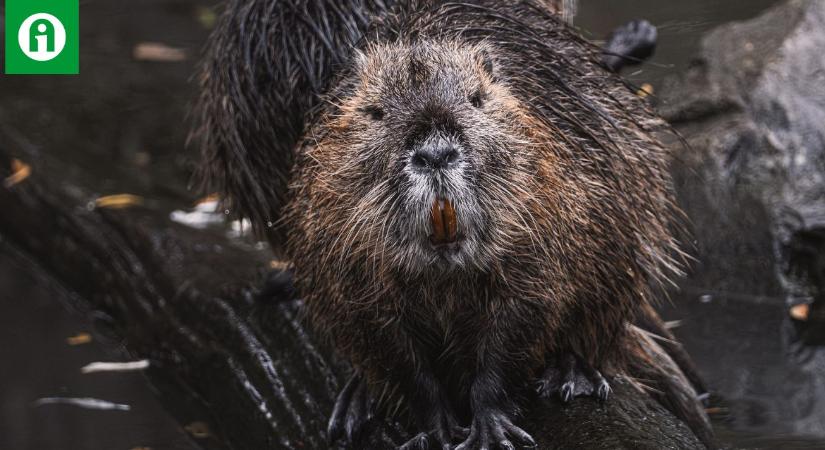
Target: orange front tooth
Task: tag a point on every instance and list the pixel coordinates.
(450, 221)
(439, 233)
(445, 228)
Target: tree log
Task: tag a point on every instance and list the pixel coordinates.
(187, 300)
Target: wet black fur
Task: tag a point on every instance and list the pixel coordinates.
(265, 68)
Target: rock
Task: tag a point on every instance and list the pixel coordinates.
(752, 182)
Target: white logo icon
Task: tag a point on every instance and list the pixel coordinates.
(42, 37)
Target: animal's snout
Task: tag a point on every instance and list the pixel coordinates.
(435, 154)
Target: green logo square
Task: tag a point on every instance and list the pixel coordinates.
(42, 37)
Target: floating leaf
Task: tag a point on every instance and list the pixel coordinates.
(118, 201)
(206, 17)
(158, 52)
(671, 324)
(209, 199)
(199, 430)
(645, 90)
(19, 172)
(801, 312)
(277, 264)
(204, 214)
(115, 366)
(80, 339)
(86, 403)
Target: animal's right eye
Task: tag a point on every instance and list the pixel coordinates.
(477, 99)
(374, 112)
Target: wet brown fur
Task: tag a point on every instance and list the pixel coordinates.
(585, 219)
(581, 216)
(266, 68)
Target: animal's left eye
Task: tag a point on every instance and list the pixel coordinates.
(374, 112)
(477, 99)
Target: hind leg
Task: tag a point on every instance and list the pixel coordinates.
(572, 377)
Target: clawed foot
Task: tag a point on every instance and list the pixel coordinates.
(444, 430)
(352, 412)
(494, 430)
(420, 442)
(572, 377)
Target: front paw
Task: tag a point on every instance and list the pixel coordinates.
(572, 377)
(444, 430)
(352, 412)
(493, 429)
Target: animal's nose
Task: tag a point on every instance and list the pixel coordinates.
(438, 155)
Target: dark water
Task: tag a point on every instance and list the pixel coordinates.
(123, 122)
(120, 127)
(744, 344)
(681, 25)
(36, 320)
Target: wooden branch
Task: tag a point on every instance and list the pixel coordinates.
(186, 300)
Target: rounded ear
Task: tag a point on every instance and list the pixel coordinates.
(359, 59)
(486, 61)
(417, 67)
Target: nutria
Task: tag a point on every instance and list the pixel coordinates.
(266, 67)
(476, 206)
